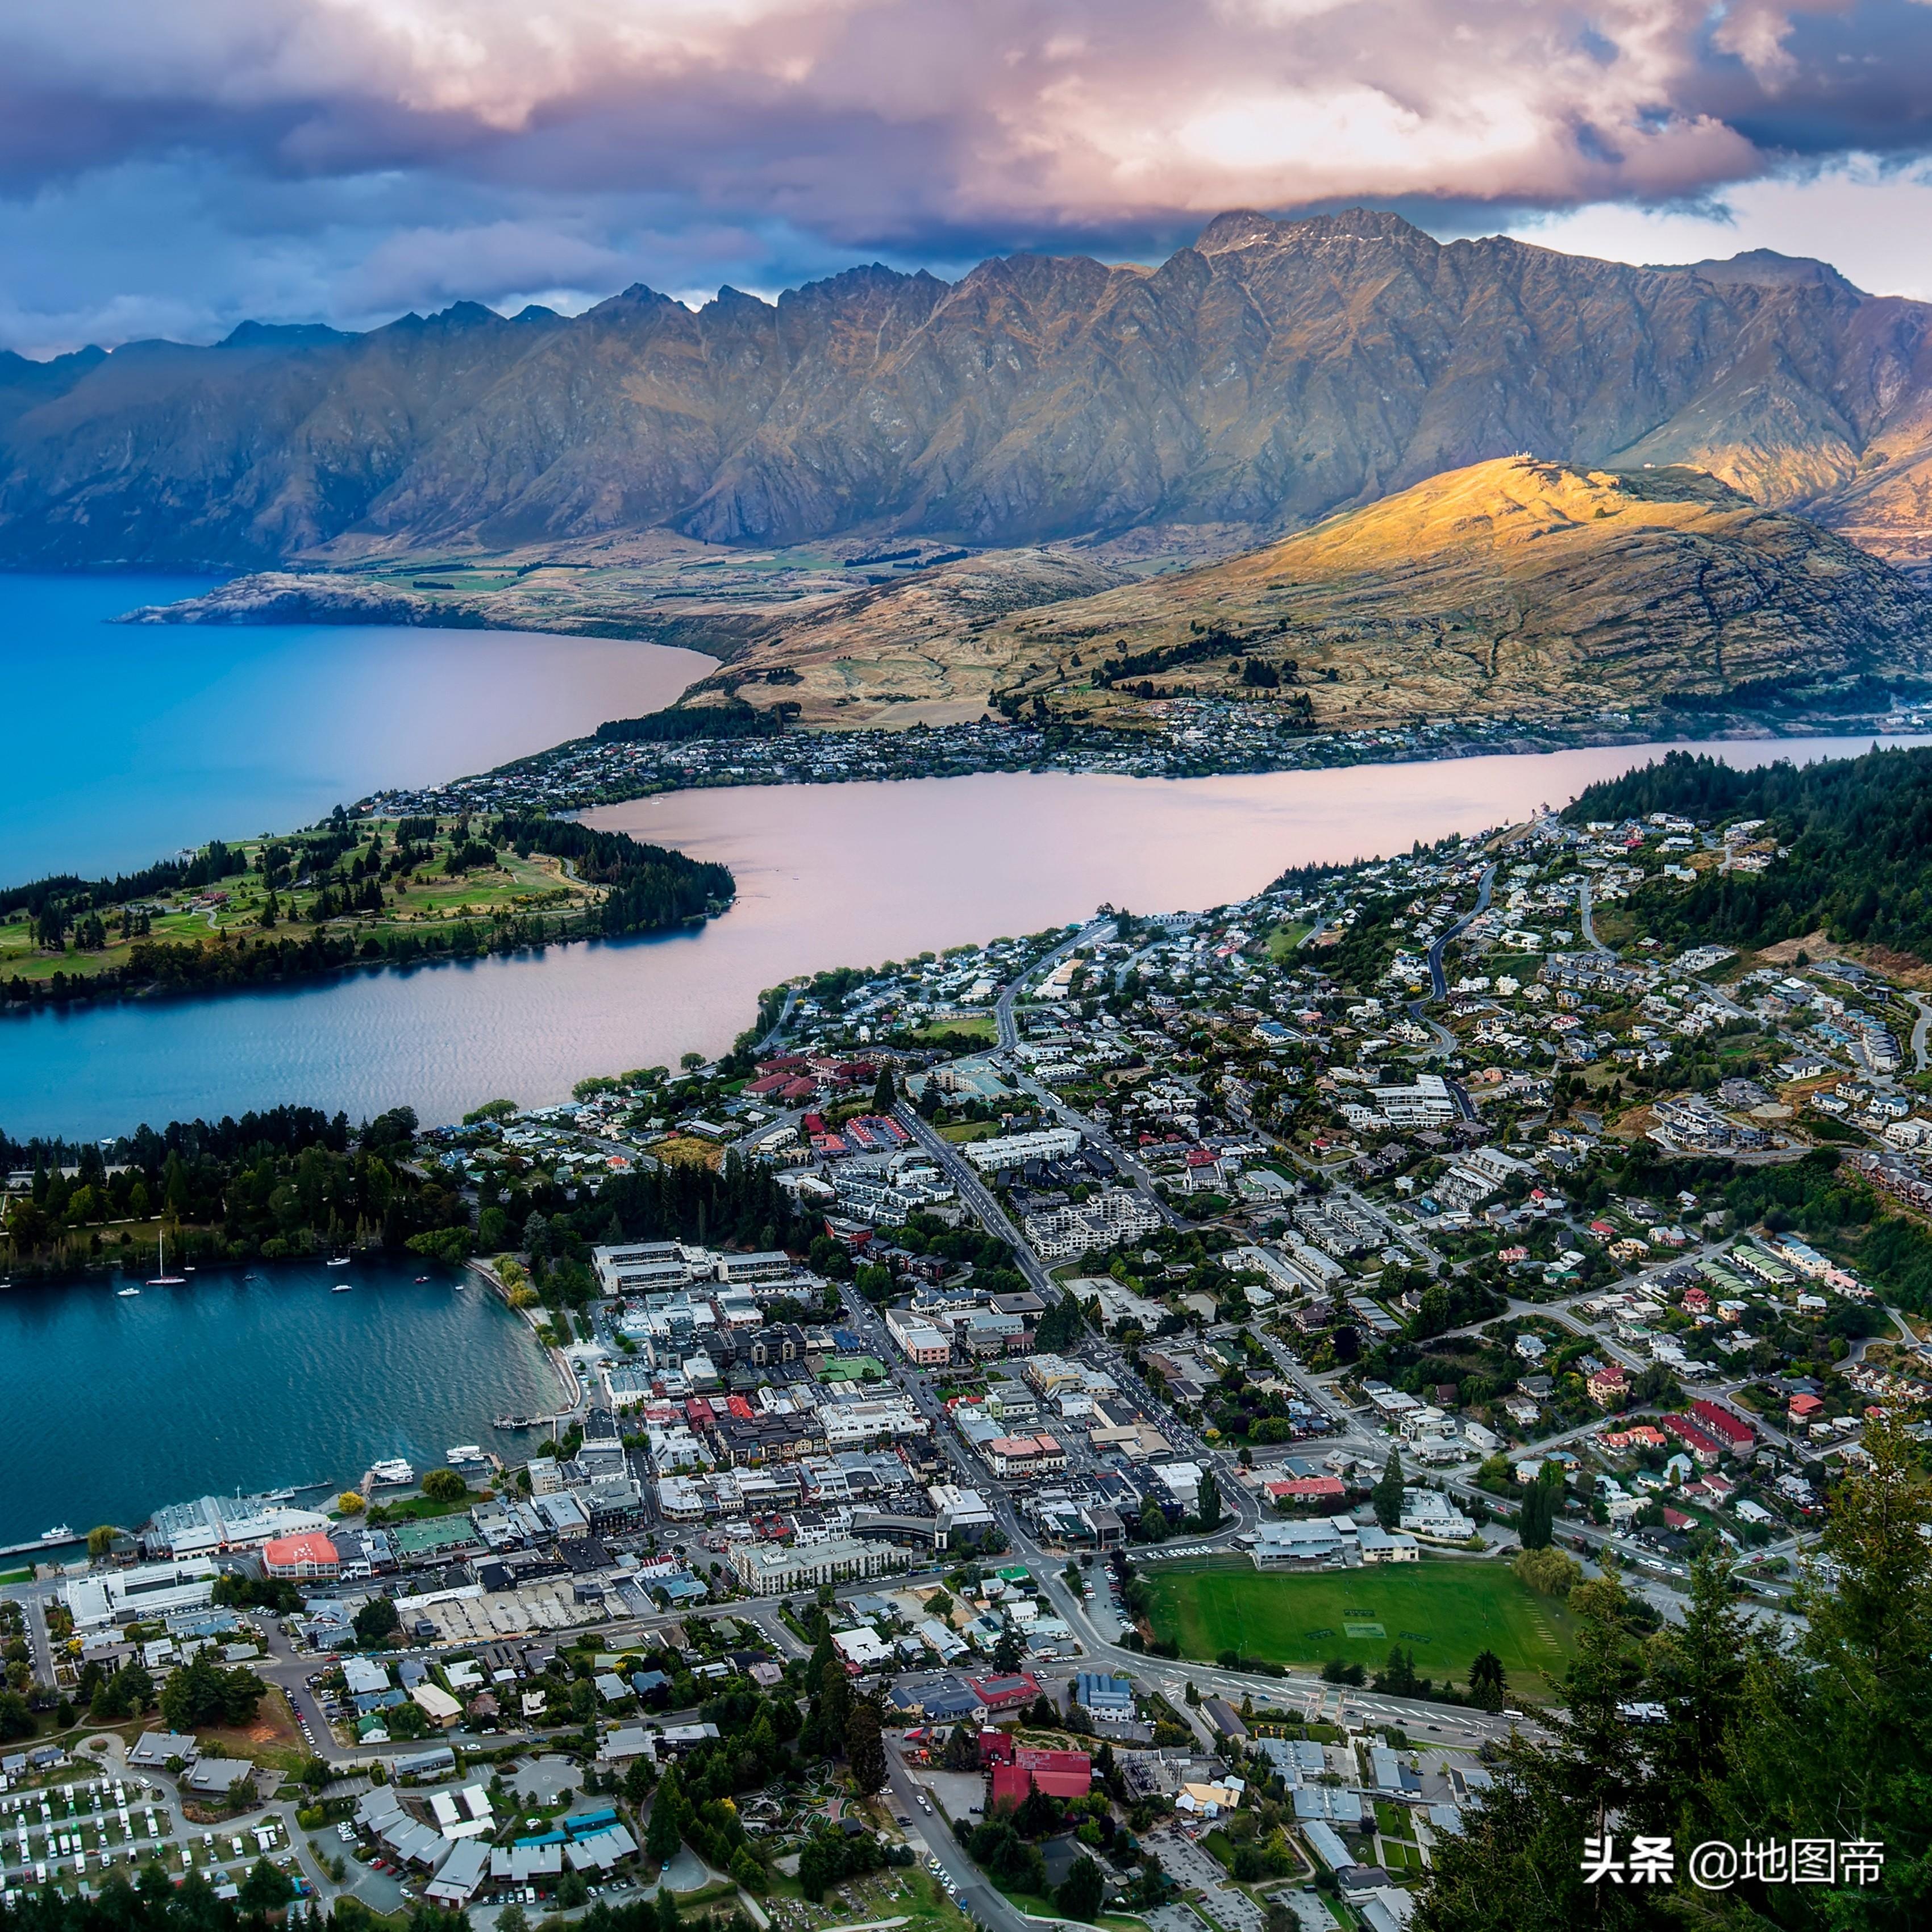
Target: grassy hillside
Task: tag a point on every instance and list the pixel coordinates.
(1512, 587)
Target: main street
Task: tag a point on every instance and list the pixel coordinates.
(978, 1197)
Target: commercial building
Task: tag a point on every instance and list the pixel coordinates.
(1016, 1150)
(739, 1270)
(1320, 1542)
(1378, 1545)
(1110, 1697)
(213, 1523)
(1014, 1457)
(1426, 1513)
(771, 1570)
(1428, 1103)
(922, 1345)
(306, 1557)
(1059, 1774)
(646, 1267)
(1005, 1693)
(1115, 1214)
(148, 1590)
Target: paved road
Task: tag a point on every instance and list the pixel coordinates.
(974, 1193)
(1439, 983)
(1583, 919)
(775, 1038)
(980, 1901)
(1919, 1029)
(1091, 934)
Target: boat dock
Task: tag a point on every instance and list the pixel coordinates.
(40, 1547)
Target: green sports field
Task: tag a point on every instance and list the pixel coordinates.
(1443, 1610)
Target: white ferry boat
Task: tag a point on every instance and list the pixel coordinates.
(395, 1470)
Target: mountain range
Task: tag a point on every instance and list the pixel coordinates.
(1273, 373)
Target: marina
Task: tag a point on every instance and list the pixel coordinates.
(262, 1380)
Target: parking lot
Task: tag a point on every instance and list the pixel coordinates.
(74, 1835)
(1194, 1870)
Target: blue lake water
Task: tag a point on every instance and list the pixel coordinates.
(109, 1408)
(128, 742)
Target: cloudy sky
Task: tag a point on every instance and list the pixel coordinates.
(172, 166)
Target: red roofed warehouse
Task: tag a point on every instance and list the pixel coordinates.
(310, 1556)
(1060, 1773)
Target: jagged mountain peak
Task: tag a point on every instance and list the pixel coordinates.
(1274, 372)
(1245, 228)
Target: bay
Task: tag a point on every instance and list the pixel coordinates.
(827, 876)
(111, 1408)
(128, 742)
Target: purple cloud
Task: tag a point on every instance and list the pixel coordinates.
(400, 151)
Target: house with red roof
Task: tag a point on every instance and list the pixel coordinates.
(1706, 1448)
(1643, 1436)
(1005, 1693)
(1730, 1429)
(1610, 1385)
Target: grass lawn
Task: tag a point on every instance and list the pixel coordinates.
(1393, 1820)
(1284, 939)
(962, 1131)
(1444, 1610)
(970, 1026)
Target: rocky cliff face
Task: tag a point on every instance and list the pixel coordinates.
(1269, 375)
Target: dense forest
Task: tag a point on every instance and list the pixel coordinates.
(735, 719)
(648, 886)
(271, 1185)
(293, 1181)
(1857, 831)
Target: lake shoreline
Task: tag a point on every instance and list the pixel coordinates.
(577, 777)
(476, 939)
(826, 875)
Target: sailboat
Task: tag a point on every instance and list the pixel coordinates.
(163, 1278)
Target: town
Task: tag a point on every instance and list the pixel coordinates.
(1226, 1352)
(1194, 737)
